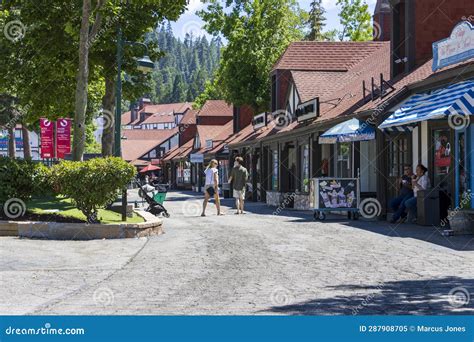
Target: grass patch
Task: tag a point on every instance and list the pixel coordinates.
(45, 206)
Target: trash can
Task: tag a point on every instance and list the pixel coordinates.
(428, 207)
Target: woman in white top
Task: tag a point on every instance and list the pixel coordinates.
(211, 187)
(420, 181)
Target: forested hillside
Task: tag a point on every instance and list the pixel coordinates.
(182, 73)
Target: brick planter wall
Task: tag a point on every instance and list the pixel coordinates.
(302, 202)
(274, 198)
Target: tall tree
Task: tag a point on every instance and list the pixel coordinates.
(257, 32)
(80, 107)
(355, 20)
(316, 21)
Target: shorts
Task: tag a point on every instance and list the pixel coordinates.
(239, 194)
(210, 190)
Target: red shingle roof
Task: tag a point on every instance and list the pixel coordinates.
(325, 56)
(134, 149)
(179, 152)
(158, 135)
(189, 117)
(216, 108)
(166, 108)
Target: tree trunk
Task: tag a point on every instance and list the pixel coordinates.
(11, 141)
(108, 105)
(26, 142)
(81, 84)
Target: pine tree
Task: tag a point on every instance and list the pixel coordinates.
(178, 93)
(316, 21)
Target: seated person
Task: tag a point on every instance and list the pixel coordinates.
(420, 182)
(406, 192)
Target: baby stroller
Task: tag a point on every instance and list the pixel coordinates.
(154, 196)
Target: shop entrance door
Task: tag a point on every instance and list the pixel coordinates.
(399, 155)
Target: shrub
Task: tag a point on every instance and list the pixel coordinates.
(20, 179)
(91, 184)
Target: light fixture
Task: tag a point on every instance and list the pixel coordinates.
(145, 64)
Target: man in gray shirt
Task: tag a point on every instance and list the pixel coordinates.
(239, 175)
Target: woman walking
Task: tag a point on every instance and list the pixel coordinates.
(211, 188)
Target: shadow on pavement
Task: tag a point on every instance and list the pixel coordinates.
(428, 234)
(445, 296)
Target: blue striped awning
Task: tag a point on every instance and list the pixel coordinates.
(455, 99)
(348, 131)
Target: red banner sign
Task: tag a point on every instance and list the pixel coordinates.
(47, 138)
(63, 138)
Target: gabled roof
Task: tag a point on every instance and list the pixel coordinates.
(325, 56)
(217, 133)
(134, 149)
(158, 135)
(179, 152)
(189, 117)
(216, 108)
(164, 113)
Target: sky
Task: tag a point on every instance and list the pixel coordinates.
(190, 22)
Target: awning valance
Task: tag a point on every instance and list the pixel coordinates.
(348, 131)
(454, 99)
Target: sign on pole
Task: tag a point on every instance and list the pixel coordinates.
(47, 138)
(63, 138)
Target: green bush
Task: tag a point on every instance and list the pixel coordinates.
(91, 184)
(21, 179)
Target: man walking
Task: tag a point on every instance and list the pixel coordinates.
(239, 175)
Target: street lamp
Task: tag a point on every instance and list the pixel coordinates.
(145, 65)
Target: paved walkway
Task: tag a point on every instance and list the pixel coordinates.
(256, 263)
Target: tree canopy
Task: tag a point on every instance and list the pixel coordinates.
(257, 32)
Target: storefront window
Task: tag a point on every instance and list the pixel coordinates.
(183, 172)
(442, 158)
(275, 169)
(398, 156)
(344, 160)
(305, 167)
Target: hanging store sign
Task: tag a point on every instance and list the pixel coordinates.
(63, 138)
(47, 138)
(308, 110)
(197, 158)
(259, 121)
(457, 48)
